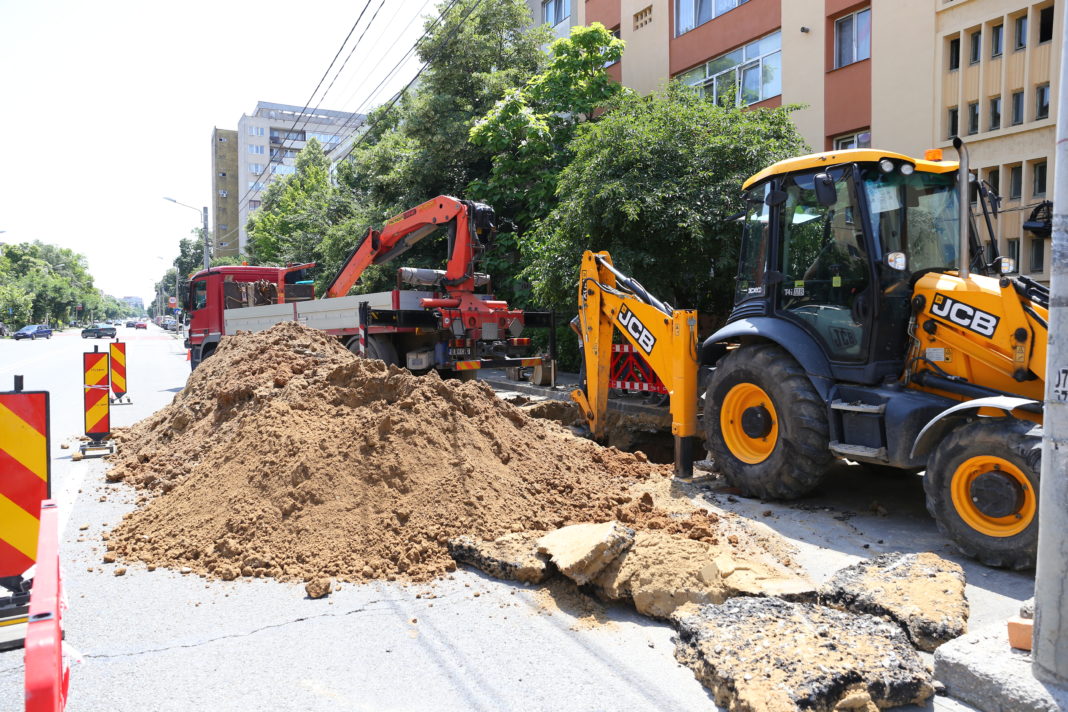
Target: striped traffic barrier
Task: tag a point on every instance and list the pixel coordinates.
(97, 404)
(117, 353)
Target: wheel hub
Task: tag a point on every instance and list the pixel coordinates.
(996, 494)
(756, 421)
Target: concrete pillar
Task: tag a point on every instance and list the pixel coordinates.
(1051, 580)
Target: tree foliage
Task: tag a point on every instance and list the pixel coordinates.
(654, 182)
(42, 283)
(528, 131)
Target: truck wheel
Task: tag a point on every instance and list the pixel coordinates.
(765, 424)
(982, 490)
(379, 347)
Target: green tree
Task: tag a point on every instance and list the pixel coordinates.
(419, 147)
(654, 182)
(528, 131)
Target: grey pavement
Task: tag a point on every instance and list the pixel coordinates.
(160, 640)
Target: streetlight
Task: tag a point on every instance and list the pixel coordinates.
(204, 214)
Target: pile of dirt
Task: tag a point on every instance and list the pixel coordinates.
(287, 456)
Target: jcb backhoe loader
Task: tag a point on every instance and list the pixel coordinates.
(867, 325)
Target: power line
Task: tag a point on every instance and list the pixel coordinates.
(426, 64)
(282, 145)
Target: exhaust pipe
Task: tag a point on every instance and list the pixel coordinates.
(963, 176)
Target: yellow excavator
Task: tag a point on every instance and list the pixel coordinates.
(869, 324)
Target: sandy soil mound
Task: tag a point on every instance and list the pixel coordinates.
(287, 456)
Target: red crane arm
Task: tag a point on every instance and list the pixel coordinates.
(402, 232)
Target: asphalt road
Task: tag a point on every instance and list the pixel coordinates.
(163, 641)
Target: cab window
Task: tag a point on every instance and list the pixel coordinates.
(200, 295)
(752, 256)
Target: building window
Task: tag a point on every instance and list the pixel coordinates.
(222, 139)
(256, 168)
(691, 13)
(1014, 252)
(1038, 254)
(1017, 107)
(1045, 24)
(253, 204)
(223, 226)
(852, 38)
(994, 179)
(255, 131)
(954, 122)
(1042, 102)
(954, 53)
(977, 47)
(224, 194)
(284, 170)
(1039, 177)
(861, 139)
(222, 174)
(643, 17)
(255, 149)
(745, 76)
(555, 11)
(973, 117)
(995, 40)
(1015, 182)
(995, 114)
(1021, 32)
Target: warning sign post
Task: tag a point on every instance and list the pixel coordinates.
(117, 353)
(97, 404)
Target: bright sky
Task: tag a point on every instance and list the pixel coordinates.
(106, 107)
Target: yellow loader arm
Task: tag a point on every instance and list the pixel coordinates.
(665, 337)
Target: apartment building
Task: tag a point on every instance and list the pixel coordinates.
(997, 66)
(265, 145)
(224, 192)
(901, 74)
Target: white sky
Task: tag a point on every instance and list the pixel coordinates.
(106, 107)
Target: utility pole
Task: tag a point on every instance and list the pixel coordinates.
(1051, 579)
(207, 249)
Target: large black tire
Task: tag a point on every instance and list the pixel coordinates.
(380, 347)
(1005, 542)
(798, 452)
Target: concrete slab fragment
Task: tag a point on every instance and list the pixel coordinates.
(581, 551)
(514, 557)
(661, 572)
(770, 655)
(981, 669)
(923, 593)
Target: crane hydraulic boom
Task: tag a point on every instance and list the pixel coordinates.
(466, 222)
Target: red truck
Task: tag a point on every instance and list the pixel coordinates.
(447, 325)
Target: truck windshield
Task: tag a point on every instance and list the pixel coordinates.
(915, 214)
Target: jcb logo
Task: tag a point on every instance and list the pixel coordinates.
(635, 328)
(961, 314)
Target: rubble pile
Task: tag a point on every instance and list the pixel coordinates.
(287, 456)
(923, 593)
(771, 655)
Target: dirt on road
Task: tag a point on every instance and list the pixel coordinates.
(287, 456)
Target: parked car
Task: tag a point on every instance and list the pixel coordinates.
(34, 331)
(99, 331)
(131, 324)
(141, 325)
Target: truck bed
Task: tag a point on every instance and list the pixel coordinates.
(340, 313)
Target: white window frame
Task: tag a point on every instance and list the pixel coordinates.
(707, 85)
(255, 149)
(714, 11)
(855, 47)
(561, 6)
(842, 143)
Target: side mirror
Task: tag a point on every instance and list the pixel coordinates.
(896, 260)
(826, 195)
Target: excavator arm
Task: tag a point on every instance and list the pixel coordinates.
(666, 338)
(465, 221)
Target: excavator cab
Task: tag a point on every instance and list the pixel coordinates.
(869, 325)
(833, 250)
